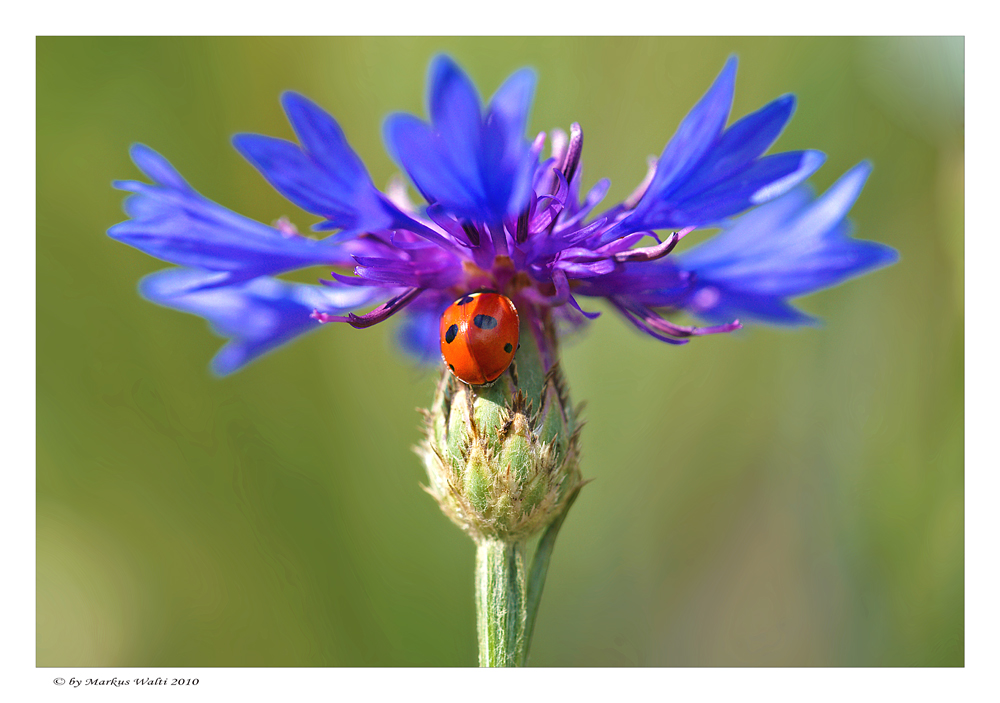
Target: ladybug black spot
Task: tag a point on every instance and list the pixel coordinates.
(450, 335)
(484, 322)
(452, 367)
(465, 300)
(508, 348)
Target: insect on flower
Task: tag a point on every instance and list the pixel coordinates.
(479, 334)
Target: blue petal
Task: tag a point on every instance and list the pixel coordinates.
(322, 138)
(739, 145)
(507, 117)
(157, 167)
(706, 174)
(765, 179)
(425, 156)
(453, 104)
(721, 304)
(512, 102)
(696, 134)
(324, 176)
(789, 247)
(477, 166)
(257, 315)
(171, 221)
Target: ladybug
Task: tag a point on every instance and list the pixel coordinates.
(479, 334)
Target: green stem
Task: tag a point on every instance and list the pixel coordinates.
(507, 595)
(501, 602)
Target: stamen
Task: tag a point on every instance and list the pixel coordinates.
(499, 236)
(561, 296)
(398, 195)
(643, 326)
(471, 232)
(633, 200)
(573, 152)
(562, 287)
(536, 146)
(653, 253)
(521, 234)
(559, 143)
(286, 227)
(705, 299)
(383, 311)
(323, 317)
(588, 315)
(667, 327)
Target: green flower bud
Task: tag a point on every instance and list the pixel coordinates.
(502, 460)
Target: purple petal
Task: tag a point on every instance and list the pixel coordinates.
(656, 283)
(157, 168)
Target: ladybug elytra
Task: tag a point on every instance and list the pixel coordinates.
(479, 335)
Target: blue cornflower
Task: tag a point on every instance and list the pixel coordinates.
(498, 216)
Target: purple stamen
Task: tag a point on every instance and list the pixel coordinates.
(653, 253)
(341, 278)
(644, 327)
(573, 152)
(379, 314)
(450, 226)
(559, 144)
(536, 146)
(521, 233)
(472, 233)
(499, 237)
(631, 201)
(430, 235)
(656, 322)
(286, 227)
(323, 317)
(594, 196)
(561, 296)
(588, 315)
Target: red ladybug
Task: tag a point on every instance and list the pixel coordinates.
(479, 334)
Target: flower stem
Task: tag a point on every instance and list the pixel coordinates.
(501, 602)
(508, 595)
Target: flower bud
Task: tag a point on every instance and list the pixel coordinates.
(503, 460)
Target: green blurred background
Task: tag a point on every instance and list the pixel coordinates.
(771, 497)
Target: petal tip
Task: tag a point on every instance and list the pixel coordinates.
(291, 98)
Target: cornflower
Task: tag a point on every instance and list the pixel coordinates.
(503, 457)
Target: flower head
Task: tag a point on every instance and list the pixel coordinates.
(499, 216)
